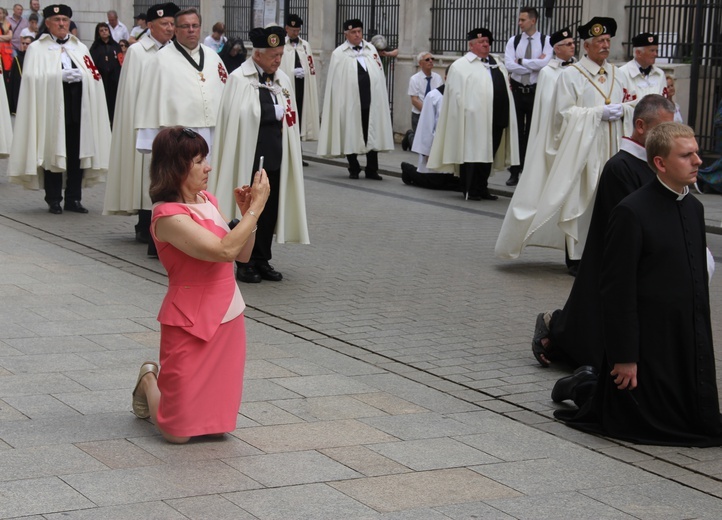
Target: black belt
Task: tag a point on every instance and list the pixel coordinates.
(521, 88)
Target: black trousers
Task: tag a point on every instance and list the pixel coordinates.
(524, 103)
(74, 175)
(372, 158)
(475, 176)
(267, 221)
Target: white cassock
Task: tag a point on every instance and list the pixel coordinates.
(126, 189)
(541, 152)
(464, 131)
(236, 137)
(309, 125)
(175, 93)
(341, 131)
(585, 144)
(426, 128)
(641, 85)
(39, 135)
(6, 128)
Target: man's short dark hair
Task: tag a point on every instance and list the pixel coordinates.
(532, 12)
(649, 106)
(190, 10)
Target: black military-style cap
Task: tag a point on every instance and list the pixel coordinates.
(294, 20)
(161, 11)
(645, 40)
(479, 33)
(597, 26)
(560, 36)
(57, 9)
(268, 37)
(353, 23)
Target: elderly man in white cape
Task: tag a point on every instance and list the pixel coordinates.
(589, 108)
(39, 157)
(298, 64)
(240, 147)
(643, 76)
(126, 191)
(476, 131)
(356, 117)
(541, 152)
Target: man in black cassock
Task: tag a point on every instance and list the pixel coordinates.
(658, 382)
(573, 335)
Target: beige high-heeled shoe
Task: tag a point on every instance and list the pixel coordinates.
(140, 404)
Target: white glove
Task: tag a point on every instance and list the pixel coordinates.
(279, 112)
(612, 112)
(298, 72)
(72, 76)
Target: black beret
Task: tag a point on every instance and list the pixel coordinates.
(597, 26)
(57, 9)
(267, 38)
(645, 40)
(161, 11)
(560, 36)
(353, 23)
(294, 20)
(479, 33)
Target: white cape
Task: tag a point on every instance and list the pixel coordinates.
(311, 118)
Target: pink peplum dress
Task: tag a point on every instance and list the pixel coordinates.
(202, 334)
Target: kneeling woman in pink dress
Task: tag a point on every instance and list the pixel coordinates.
(202, 335)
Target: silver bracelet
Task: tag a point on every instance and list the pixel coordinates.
(254, 229)
(252, 213)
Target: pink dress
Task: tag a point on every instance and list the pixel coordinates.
(202, 335)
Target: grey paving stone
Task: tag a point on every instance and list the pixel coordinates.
(415, 514)
(302, 367)
(317, 501)
(39, 496)
(421, 426)
(34, 384)
(423, 489)
(144, 511)
(555, 506)
(265, 390)
(390, 404)
(262, 369)
(267, 414)
(43, 461)
(426, 454)
(324, 385)
(211, 507)
(98, 401)
(53, 345)
(473, 511)
(118, 453)
(291, 469)
(127, 486)
(365, 461)
(8, 413)
(198, 449)
(328, 408)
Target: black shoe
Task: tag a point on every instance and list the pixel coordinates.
(248, 274)
(142, 236)
(267, 272)
(565, 388)
(152, 252)
(75, 206)
(513, 179)
(406, 142)
(374, 176)
(304, 163)
(352, 174)
(473, 197)
(407, 170)
(54, 208)
(486, 195)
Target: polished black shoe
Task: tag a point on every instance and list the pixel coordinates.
(407, 170)
(352, 174)
(513, 179)
(565, 388)
(374, 176)
(75, 206)
(486, 195)
(267, 272)
(54, 208)
(406, 141)
(248, 274)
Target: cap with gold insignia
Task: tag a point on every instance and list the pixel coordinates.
(268, 37)
(57, 9)
(294, 21)
(479, 33)
(645, 40)
(161, 11)
(597, 26)
(353, 23)
(560, 36)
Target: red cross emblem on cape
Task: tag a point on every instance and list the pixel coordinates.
(290, 114)
(311, 66)
(222, 73)
(91, 67)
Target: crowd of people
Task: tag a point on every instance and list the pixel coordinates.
(602, 173)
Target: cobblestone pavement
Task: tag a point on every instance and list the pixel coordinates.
(389, 375)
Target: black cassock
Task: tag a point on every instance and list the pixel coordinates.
(576, 330)
(655, 305)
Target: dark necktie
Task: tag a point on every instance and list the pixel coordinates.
(566, 63)
(428, 85)
(645, 71)
(64, 40)
(357, 47)
(485, 60)
(266, 78)
(294, 40)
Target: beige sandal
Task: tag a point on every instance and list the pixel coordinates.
(140, 404)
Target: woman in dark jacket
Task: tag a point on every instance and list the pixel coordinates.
(105, 53)
(233, 54)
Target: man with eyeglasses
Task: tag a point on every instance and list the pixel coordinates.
(63, 136)
(642, 75)
(420, 84)
(356, 116)
(126, 191)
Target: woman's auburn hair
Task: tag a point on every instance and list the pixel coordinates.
(172, 159)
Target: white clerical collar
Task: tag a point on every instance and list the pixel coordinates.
(470, 56)
(156, 42)
(633, 148)
(680, 196)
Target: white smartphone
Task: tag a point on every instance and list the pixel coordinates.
(260, 164)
